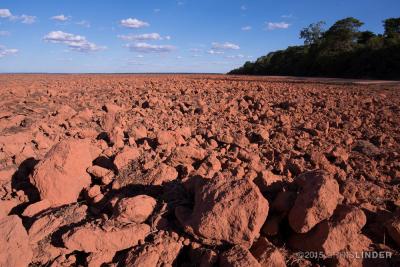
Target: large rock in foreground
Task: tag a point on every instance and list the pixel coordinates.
(342, 232)
(316, 201)
(226, 210)
(14, 243)
(61, 175)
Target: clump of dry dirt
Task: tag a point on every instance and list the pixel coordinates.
(194, 170)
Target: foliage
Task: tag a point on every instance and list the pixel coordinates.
(341, 51)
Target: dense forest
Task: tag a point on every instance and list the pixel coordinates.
(340, 51)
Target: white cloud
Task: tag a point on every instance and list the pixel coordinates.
(74, 42)
(83, 23)
(148, 48)
(179, 57)
(6, 52)
(133, 23)
(246, 28)
(60, 17)
(4, 33)
(144, 37)
(243, 7)
(225, 46)
(26, 19)
(5, 13)
(215, 52)
(156, 10)
(277, 25)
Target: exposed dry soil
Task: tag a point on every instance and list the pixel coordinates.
(198, 170)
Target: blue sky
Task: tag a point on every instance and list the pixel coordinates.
(164, 35)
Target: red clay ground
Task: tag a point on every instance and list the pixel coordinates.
(196, 170)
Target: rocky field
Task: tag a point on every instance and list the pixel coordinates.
(196, 170)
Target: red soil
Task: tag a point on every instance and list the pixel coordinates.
(196, 170)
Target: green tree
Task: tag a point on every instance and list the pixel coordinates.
(392, 27)
(313, 33)
(343, 35)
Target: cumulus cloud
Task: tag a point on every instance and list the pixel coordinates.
(6, 52)
(133, 23)
(224, 46)
(277, 25)
(5, 13)
(144, 37)
(74, 42)
(26, 19)
(4, 33)
(60, 17)
(246, 28)
(149, 48)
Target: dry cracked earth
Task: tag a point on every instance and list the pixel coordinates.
(196, 170)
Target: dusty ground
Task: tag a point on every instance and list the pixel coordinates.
(161, 170)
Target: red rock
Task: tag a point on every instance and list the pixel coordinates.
(268, 181)
(36, 207)
(65, 112)
(165, 137)
(117, 137)
(94, 191)
(210, 166)
(105, 175)
(135, 209)
(226, 210)
(318, 198)
(111, 108)
(340, 154)
(61, 175)
(341, 232)
(92, 238)
(7, 173)
(7, 205)
(51, 221)
(163, 251)
(237, 257)
(124, 157)
(186, 155)
(138, 132)
(267, 254)
(162, 173)
(15, 249)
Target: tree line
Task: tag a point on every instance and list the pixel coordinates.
(340, 51)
